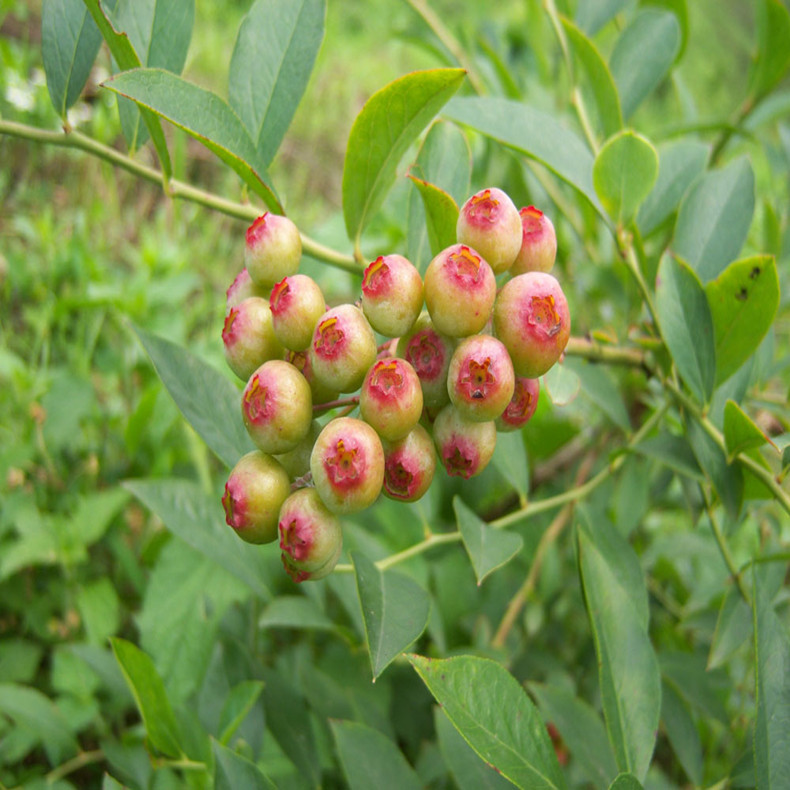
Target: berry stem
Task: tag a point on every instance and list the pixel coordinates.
(352, 400)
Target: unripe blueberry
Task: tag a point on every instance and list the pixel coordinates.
(297, 461)
(277, 407)
(391, 295)
(522, 405)
(310, 536)
(460, 289)
(273, 249)
(391, 398)
(248, 336)
(255, 491)
(347, 465)
(489, 222)
(297, 304)
(241, 288)
(465, 447)
(409, 465)
(481, 379)
(538, 243)
(429, 353)
(301, 361)
(343, 348)
(531, 318)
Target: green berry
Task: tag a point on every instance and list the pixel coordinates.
(538, 243)
(489, 222)
(391, 398)
(465, 447)
(297, 304)
(392, 295)
(273, 249)
(248, 336)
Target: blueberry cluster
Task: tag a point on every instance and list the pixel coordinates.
(443, 383)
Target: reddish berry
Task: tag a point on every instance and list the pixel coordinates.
(391, 295)
(241, 288)
(409, 466)
(256, 489)
(276, 407)
(465, 447)
(522, 405)
(310, 536)
(348, 465)
(297, 304)
(538, 243)
(273, 249)
(391, 398)
(248, 336)
(460, 289)
(489, 222)
(481, 379)
(429, 353)
(531, 318)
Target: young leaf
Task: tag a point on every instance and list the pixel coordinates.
(207, 399)
(395, 609)
(772, 53)
(740, 432)
(370, 759)
(70, 42)
(489, 708)
(441, 214)
(624, 173)
(714, 218)
(388, 124)
(232, 771)
(271, 65)
(743, 302)
(488, 548)
(202, 115)
(150, 696)
(562, 384)
(627, 666)
(686, 325)
(643, 55)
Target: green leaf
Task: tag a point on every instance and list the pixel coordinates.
(395, 609)
(740, 432)
(388, 124)
(533, 133)
(743, 301)
(592, 15)
(441, 214)
(271, 64)
(733, 627)
(489, 708)
(197, 519)
(680, 162)
(294, 611)
(510, 459)
(625, 782)
(581, 729)
(682, 733)
(370, 759)
(627, 666)
(159, 31)
(598, 385)
(467, 769)
(208, 400)
(643, 56)
(772, 728)
(70, 42)
(680, 9)
(149, 696)
(488, 548)
(100, 610)
(624, 173)
(126, 58)
(672, 451)
(714, 218)
(232, 771)
(562, 384)
(601, 82)
(772, 57)
(202, 115)
(686, 325)
(239, 703)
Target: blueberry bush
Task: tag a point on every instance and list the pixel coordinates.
(396, 399)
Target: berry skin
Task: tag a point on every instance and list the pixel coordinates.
(255, 491)
(301, 361)
(531, 318)
(248, 336)
(489, 222)
(460, 289)
(391, 398)
(297, 304)
(277, 407)
(429, 353)
(297, 461)
(481, 379)
(273, 249)
(409, 466)
(342, 349)
(241, 288)
(465, 447)
(392, 295)
(538, 243)
(310, 536)
(521, 407)
(348, 465)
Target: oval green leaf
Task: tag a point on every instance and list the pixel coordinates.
(562, 384)
(388, 124)
(294, 611)
(489, 708)
(682, 733)
(624, 173)
(232, 771)
(441, 214)
(772, 52)
(592, 15)
(625, 782)
(740, 432)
